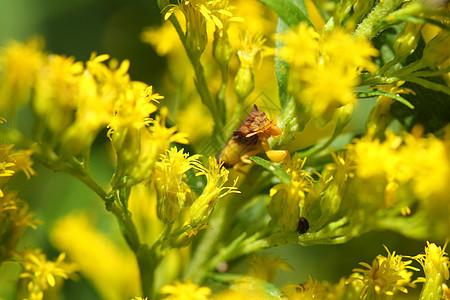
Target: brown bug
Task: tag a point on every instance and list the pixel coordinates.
(251, 139)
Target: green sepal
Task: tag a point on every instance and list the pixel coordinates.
(386, 94)
(274, 168)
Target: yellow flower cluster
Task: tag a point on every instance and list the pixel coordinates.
(74, 101)
(173, 192)
(421, 163)
(41, 272)
(14, 214)
(185, 291)
(324, 69)
(293, 200)
(111, 269)
(385, 276)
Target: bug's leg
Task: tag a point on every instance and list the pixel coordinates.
(276, 155)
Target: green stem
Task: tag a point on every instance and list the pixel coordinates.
(366, 29)
(147, 261)
(205, 95)
(200, 80)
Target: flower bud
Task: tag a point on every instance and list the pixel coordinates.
(203, 206)
(196, 36)
(362, 7)
(407, 40)
(436, 51)
(243, 82)
(222, 49)
(284, 209)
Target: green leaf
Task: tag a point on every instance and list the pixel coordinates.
(281, 67)
(274, 168)
(386, 94)
(287, 11)
(430, 85)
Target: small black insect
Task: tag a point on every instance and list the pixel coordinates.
(303, 225)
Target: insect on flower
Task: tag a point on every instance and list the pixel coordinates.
(251, 139)
(303, 225)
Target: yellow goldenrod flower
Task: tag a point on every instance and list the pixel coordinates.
(257, 18)
(185, 291)
(429, 161)
(197, 14)
(11, 162)
(300, 46)
(99, 89)
(15, 219)
(247, 288)
(111, 269)
(196, 128)
(325, 70)
(309, 290)
(251, 46)
(328, 87)
(131, 113)
(41, 272)
(401, 161)
(288, 201)
(7, 163)
(133, 109)
(155, 140)
(435, 264)
(8, 203)
(216, 177)
(385, 276)
(19, 65)
(173, 192)
(340, 48)
(265, 267)
(57, 92)
(142, 205)
(139, 298)
(164, 39)
(23, 162)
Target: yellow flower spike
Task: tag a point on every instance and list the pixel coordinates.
(97, 257)
(198, 13)
(42, 272)
(301, 46)
(385, 276)
(216, 177)
(155, 140)
(324, 70)
(164, 39)
(265, 267)
(288, 201)
(173, 193)
(312, 289)
(185, 291)
(19, 65)
(57, 94)
(435, 264)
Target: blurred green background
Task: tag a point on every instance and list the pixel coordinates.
(78, 28)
